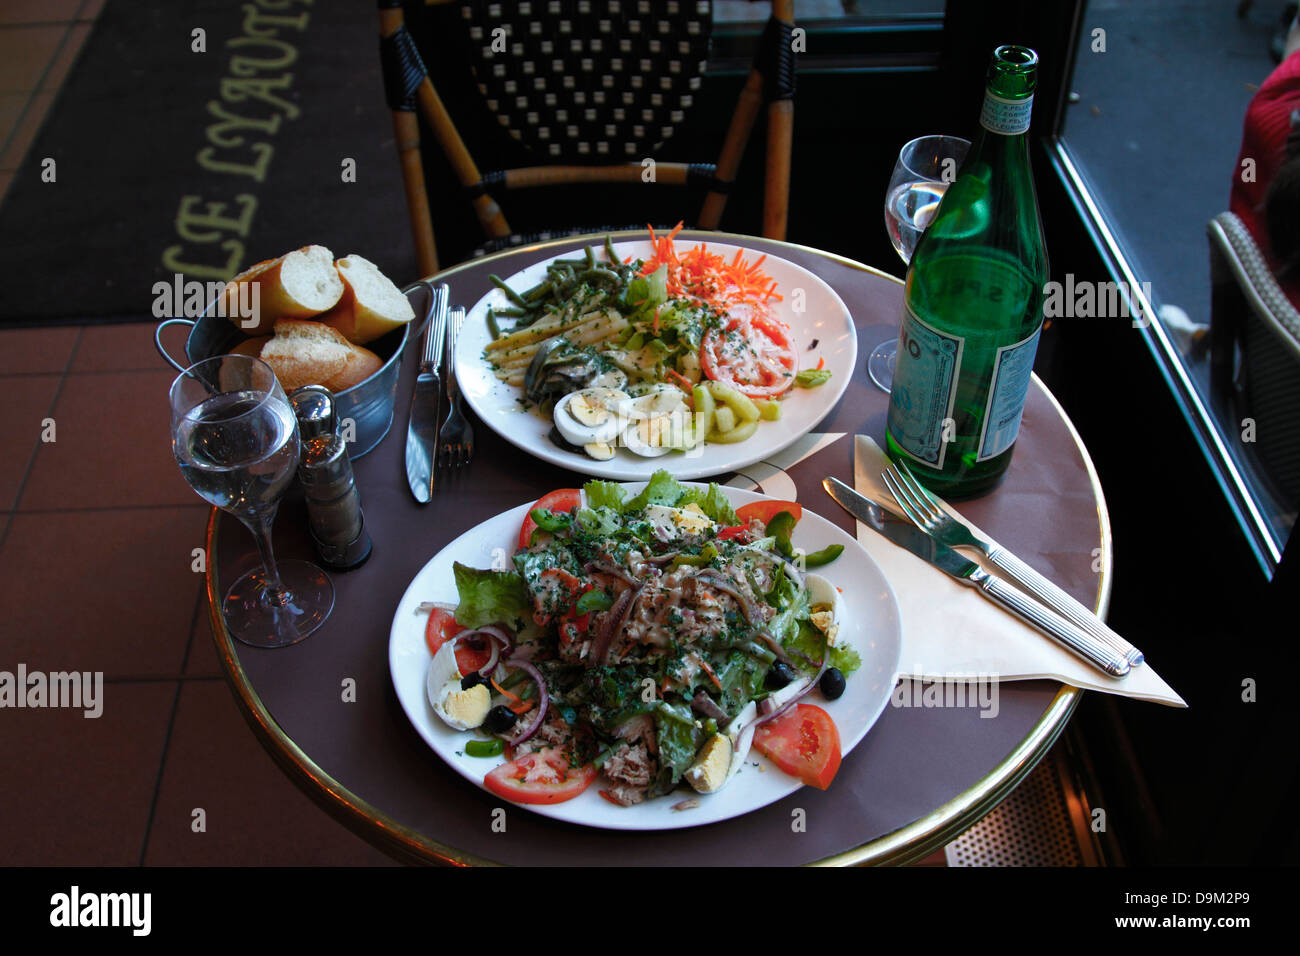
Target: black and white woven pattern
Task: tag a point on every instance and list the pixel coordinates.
(588, 81)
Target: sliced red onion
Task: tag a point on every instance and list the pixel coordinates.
(499, 639)
(542, 704)
(802, 693)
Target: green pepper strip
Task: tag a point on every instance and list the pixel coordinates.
(780, 527)
(706, 555)
(549, 520)
(824, 556)
(595, 600)
(486, 748)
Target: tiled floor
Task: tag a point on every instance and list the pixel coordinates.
(96, 532)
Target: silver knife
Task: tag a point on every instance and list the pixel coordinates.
(906, 535)
(422, 430)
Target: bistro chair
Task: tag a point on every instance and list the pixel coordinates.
(1255, 351)
(591, 89)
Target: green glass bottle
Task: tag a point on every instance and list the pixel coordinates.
(973, 304)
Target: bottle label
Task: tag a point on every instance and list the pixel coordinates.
(925, 387)
(1007, 392)
(1005, 117)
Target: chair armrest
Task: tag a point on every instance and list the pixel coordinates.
(1237, 259)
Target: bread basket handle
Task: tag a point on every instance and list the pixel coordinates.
(157, 340)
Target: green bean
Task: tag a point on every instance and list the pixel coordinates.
(537, 293)
(600, 272)
(494, 330)
(513, 313)
(511, 294)
(609, 251)
(591, 257)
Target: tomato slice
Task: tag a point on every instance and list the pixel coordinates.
(804, 742)
(541, 777)
(442, 627)
(734, 531)
(753, 354)
(765, 511)
(562, 500)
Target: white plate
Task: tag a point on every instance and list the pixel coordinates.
(822, 317)
(870, 623)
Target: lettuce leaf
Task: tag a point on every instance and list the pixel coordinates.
(713, 503)
(604, 494)
(487, 597)
(662, 489)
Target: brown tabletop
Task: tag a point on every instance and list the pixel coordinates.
(920, 777)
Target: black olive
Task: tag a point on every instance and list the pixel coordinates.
(832, 683)
(780, 675)
(499, 719)
(472, 680)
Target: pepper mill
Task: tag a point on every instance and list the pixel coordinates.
(333, 502)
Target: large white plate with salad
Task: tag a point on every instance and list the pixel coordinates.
(639, 348)
(658, 542)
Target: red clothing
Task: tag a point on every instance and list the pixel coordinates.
(1268, 121)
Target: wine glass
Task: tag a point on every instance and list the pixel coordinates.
(235, 438)
(922, 173)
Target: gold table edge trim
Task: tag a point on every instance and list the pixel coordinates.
(904, 845)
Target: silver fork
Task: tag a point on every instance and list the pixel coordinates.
(456, 437)
(927, 512)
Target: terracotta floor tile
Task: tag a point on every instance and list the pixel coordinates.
(67, 56)
(11, 110)
(101, 590)
(202, 660)
(38, 11)
(77, 791)
(25, 133)
(127, 347)
(113, 446)
(29, 398)
(90, 9)
(24, 54)
(254, 815)
(26, 351)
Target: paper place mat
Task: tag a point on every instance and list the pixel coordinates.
(952, 632)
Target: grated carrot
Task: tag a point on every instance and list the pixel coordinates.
(709, 277)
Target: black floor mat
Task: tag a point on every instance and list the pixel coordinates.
(148, 182)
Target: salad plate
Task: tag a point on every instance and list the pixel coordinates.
(868, 617)
(821, 333)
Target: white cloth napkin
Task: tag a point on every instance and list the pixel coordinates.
(950, 631)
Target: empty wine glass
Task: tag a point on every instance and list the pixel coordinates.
(922, 173)
(235, 438)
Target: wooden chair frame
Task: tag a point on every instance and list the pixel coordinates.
(771, 82)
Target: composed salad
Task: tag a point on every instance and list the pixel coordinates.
(644, 641)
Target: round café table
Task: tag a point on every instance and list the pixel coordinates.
(326, 711)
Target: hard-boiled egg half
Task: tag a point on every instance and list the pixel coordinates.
(656, 422)
(460, 709)
(590, 417)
